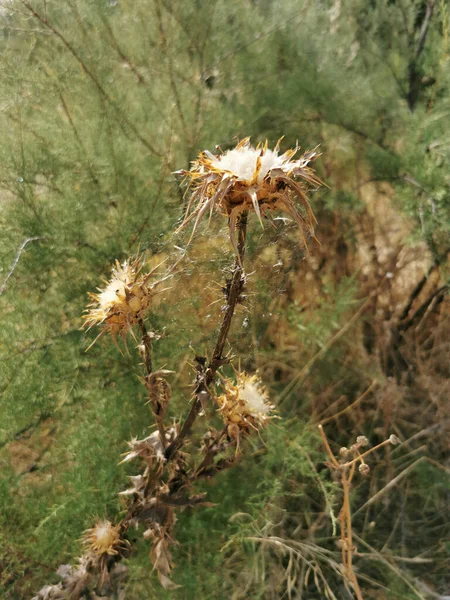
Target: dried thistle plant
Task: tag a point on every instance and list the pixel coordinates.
(172, 458)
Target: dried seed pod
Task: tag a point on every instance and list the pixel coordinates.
(362, 441)
(364, 469)
(252, 179)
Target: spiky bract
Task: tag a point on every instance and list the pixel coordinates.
(252, 179)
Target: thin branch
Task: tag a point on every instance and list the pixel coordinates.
(391, 484)
(352, 405)
(140, 79)
(171, 72)
(424, 29)
(16, 260)
(78, 139)
(93, 78)
(146, 355)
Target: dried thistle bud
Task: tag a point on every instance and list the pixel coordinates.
(124, 301)
(394, 440)
(246, 404)
(364, 469)
(104, 538)
(251, 179)
(344, 452)
(362, 441)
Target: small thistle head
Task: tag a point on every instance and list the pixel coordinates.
(104, 539)
(252, 179)
(245, 405)
(123, 301)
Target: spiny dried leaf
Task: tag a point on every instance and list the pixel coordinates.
(161, 557)
(151, 448)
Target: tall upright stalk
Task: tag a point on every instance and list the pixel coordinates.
(205, 374)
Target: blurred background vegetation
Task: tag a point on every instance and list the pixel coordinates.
(100, 101)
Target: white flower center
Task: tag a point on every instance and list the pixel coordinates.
(254, 399)
(104, 535)
(115, 290)
(242, 163)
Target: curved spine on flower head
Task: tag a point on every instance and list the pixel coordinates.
(124, 300)
(251, 179)
(245, 405)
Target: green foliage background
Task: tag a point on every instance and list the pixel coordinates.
(100, 101)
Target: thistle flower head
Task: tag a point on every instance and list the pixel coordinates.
(123, 301)
(104, 539)
(251, 179)
(246, 403)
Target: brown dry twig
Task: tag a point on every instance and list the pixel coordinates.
(346, 470)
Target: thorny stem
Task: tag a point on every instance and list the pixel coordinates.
(202, 467)
(237, 284)
(206, 376)
(147, 343)
(147, 358)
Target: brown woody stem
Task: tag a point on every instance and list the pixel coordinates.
(148, 364)
(205, 376)
(235, 290)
